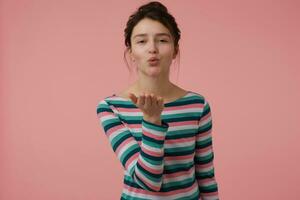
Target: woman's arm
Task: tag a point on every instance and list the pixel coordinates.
(204, 156)
(144, 163)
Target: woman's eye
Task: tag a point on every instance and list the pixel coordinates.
(143, 41)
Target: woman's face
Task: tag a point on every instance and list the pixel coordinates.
(149, 39)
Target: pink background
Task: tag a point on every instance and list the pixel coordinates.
(60, 58)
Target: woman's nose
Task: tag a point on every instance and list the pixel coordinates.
(152, 47)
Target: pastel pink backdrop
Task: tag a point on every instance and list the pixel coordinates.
(60, 58)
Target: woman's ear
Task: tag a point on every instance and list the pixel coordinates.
(130, 54)
(175, 52)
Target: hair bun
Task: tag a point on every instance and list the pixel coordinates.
(154, 5)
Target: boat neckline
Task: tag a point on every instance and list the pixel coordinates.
(187, 93)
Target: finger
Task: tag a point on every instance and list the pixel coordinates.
(142, 99)
(155, 100)
(158, 100)
(133, 97)
(152, 98)
(147, 100)
(161, 101)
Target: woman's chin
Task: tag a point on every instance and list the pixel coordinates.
(154, 69)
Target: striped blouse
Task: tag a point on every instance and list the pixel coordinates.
(173, 160)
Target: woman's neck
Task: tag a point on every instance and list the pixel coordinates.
(162, 89)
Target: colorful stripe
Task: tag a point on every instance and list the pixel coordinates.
(173, 160)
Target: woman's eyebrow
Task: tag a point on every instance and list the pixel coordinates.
(159, 34)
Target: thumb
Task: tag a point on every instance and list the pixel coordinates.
(133, 98)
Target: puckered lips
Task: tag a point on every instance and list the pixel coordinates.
(153, 61)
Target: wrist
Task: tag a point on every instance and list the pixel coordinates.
(154, 120)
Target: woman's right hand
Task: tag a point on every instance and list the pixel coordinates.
(150, 104)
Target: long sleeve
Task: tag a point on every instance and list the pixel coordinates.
(143, 162)
(204, 155)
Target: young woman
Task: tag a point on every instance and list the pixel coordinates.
(160, 132)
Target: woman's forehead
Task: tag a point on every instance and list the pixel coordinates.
(155, 34)
(148, 26)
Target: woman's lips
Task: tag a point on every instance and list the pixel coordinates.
(153, 62)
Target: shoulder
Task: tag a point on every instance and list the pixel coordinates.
(105, 101)
(203, 105)
(114, 101)
(201, 100)
(198, 96)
